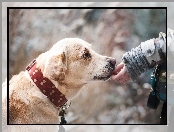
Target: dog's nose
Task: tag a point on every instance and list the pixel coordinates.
(112, 62)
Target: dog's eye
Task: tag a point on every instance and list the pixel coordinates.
(86, 55)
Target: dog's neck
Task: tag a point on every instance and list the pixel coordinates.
(70, 88)
(45, 85)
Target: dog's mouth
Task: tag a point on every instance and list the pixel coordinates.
(105, 76)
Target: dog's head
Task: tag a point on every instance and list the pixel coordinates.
(72, 59)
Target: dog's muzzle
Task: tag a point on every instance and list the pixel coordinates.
(108, 70)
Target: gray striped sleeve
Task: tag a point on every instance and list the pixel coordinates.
(136, 62)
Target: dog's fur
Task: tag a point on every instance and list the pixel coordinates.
(69, 64)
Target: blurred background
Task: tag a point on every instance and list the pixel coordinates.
(111, 32)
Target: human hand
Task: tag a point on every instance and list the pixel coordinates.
(120, 74)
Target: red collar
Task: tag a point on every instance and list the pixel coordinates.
(46, 86)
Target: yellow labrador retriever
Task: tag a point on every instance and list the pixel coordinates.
(56, 76)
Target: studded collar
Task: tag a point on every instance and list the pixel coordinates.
(46, 86)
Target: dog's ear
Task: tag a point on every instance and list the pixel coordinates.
(56, 65)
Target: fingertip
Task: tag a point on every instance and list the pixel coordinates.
(113, 77)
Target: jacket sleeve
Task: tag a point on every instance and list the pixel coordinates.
(145, 56)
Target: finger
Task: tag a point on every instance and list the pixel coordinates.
(126, 80)
(115, 78)
(119, 76)
(122, 75)
(118, 68)
(127, 77)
